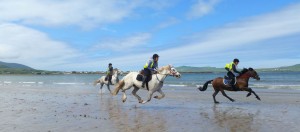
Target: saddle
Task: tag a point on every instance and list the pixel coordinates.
(141, 76)
(227, 80)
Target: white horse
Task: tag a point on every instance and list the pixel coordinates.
(114, 80)
(155, 84)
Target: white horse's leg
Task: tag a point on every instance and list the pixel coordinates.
(108, 88)
(101, 85)
(150, 93)
(137, 96)
(162, 94)
(124, 97)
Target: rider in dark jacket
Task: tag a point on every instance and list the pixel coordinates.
(109, 73)
(150, 68)
(231, 69)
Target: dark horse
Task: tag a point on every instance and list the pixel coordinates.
(241, 84)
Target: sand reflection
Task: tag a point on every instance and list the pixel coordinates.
(235, 119)
(134, 119)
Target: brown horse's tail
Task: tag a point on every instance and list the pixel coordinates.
(117, 89)
(205, 85)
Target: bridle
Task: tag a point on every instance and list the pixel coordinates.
(172, 73)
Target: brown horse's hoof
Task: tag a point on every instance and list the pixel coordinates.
(232, 100)
(217, 102)
(258, 98)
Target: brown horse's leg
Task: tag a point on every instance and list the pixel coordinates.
(251, 91)
(214, 95)
(224, 94)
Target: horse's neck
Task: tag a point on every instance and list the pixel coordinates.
(162, 75)
(115, 75)
(244, 77)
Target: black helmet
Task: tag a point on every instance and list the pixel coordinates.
(236, 60)
(155, 55)
(109, 64)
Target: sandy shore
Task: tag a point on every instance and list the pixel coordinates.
(183, 109)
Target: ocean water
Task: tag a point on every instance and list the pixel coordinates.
(269, 80)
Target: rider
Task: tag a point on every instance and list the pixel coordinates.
(150, 68)
(109, 73)
(231, 68)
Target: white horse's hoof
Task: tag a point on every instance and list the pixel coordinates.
(155, 97)
(144, 102)
(140, 101)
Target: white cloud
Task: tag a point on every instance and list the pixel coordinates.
(256, 29)
(27, 46)
(201, 8)
(169, 22)
(84, 13)
(124, 43)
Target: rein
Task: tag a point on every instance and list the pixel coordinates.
(163, 79)
(245, 75)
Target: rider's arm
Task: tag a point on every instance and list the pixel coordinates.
(234, 69)
(227, 69)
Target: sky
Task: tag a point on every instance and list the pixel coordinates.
(86, 35)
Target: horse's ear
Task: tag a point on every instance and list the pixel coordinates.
(250, 69)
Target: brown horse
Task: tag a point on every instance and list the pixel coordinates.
(241, 84)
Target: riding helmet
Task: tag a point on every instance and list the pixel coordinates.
(155, 55)
(236, 60)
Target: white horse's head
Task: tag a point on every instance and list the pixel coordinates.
(117, 71)
(170, 70)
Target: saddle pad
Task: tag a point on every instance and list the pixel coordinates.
(140, 77)
(227, 81)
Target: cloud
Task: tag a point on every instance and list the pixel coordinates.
(123, 44)
(201, 8)
(169, 22)
(24, 45)
(83, 13)
(218, 43)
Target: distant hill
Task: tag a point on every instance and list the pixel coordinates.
(199, 69)
(15, 68)
(14, 65)
(284, 68)
(214, 69)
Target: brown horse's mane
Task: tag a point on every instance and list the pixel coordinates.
(245, 70)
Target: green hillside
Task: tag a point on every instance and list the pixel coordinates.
(14, 65)
(214, 69)
(199, 69)
(15, 68)
(284, 68)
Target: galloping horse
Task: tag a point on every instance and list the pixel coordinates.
(155, 84)
(114, 79)
(241, 84)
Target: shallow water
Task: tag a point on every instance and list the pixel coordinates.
(269, 80)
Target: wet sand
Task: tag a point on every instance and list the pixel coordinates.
(183, 109)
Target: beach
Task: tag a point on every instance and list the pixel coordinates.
(53, 109)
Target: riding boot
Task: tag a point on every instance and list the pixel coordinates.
(147, 86)
(144, 81)
(234, 88)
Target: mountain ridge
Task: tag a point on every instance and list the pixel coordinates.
(188, 69)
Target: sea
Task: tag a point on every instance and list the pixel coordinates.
(269, 80)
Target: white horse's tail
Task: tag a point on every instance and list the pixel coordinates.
(97, 81)
(117, 89)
